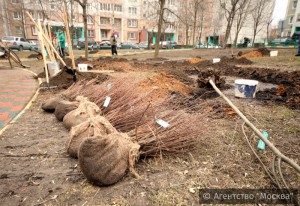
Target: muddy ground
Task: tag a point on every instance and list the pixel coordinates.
(36, 170)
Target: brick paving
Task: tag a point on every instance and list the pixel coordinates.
(16, 89)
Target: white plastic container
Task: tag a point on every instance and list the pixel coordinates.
(216, 60)
(273, 53)
(82, 67)
(245, 88)
(53, 68)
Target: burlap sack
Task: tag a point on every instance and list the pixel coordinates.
(105, 159)
(63, 108)
(50, 104)
(85, 110)
(96, 126)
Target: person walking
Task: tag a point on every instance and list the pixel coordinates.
(113, 43)
(298, 54)
(61, 43)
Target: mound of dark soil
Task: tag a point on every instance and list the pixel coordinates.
(64, 79)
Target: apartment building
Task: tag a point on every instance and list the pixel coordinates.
(132, 20)
(292, 18)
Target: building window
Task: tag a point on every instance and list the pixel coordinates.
(89, 6)
(104, 20)
(90, 20)
(171, 2)
(118, 22)
(19, 30)
(132, 10)
(32, 14)
(40, 15)
(295, 4)
(90, 33)
(131, 35)
(104, 34)
(132, 23)
(33, 31)
(15, 1)
(52, 7)
(298, 17)
(104, 7)
(291, 19)
(17, 15)
(118, 8)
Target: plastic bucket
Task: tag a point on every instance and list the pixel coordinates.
(245, 88)
(216, 60)
(53, 68)
(82, 67)
(273, 53)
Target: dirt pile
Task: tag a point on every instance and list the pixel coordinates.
(261, 52)
(64, 79)
(162, 83)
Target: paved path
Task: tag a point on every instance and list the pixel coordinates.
(17, 87)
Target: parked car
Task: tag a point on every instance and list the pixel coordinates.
(129, 45)
(281, 41)
(105, 44)
(173, 44)
(143, 45)
(92, 45)
(18, 43)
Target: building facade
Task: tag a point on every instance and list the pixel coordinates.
(292, 18)
(135, 21)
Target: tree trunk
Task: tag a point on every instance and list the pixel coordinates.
(195, 21)
(23, 20)
(186, 35)
(160, 21)
(85, 30)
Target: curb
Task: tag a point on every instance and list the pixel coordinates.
(27, 106)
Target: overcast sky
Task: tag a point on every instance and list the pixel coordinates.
(279, 12)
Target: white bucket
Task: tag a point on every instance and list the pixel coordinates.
(53, 68)
(216, 60)
(273, 53)
(245, 88)
(82, 67)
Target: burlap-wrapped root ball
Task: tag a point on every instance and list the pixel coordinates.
(63, 108)
(105, 159)
(50, 104)
(85, 110)
(95, 126)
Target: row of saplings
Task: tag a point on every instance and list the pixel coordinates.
(104, 154)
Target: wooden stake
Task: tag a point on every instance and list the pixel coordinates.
(47, 40)
(50, 38)
(258, 133)
(43, 51)
(52, 59)
(69, 37)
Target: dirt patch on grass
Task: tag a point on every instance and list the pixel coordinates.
(261, 52)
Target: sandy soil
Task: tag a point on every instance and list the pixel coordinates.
(36, 170)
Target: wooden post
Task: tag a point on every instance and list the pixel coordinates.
(50, 38)
(68, 37)
(47, 40)
(52, 59)
(43, 50)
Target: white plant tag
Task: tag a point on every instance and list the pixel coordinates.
(108, 87)
(162, 123)
(106, 102)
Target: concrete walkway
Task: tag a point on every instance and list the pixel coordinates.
(17, 87)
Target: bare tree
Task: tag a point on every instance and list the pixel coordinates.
(198, 10)
(230, 7)
(241, 16)
(160, 22)
(260, 15)
(83, 4)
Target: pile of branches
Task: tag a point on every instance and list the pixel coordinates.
(133, 112)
